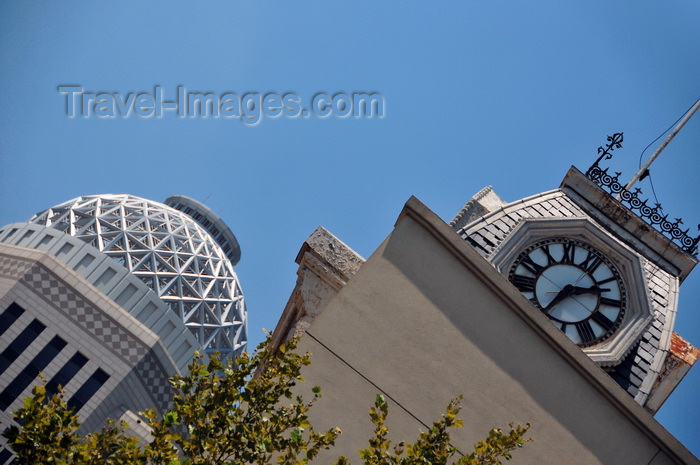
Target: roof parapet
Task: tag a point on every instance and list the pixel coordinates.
(627, 225)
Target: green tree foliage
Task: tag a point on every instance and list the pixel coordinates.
(223, 413)
(433, 446)
(239, 414)
(49, 436)
(233, 413)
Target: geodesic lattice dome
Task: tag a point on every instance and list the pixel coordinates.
(169, 251)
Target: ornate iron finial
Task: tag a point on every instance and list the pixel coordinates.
(654, 216)
(614, 142)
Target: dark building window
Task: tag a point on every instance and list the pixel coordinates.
(20, 343)
(5, 454)
(30, 372)
(87, 390)
(9, 316)
(65, 374)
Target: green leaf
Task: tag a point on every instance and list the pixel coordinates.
(170, 418)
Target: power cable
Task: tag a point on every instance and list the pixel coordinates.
(647, 173)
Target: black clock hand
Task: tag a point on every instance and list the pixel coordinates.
(588, 290)
(563, 294)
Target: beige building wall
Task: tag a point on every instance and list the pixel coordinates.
(425, 319)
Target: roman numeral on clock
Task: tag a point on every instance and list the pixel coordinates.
(524, 283)
(550, 259)
(602, 320)
(585, 331)
(591, 263)
(569, 252)
(610, 302)
(531, 266)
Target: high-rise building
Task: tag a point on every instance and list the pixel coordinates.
(108, 296)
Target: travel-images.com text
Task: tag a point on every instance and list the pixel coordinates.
(248, 107)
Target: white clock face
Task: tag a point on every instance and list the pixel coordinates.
(575, 285)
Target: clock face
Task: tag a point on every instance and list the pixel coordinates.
(575, 285)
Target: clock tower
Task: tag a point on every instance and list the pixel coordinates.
(601, 264)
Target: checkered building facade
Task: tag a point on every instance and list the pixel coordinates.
(84, 318)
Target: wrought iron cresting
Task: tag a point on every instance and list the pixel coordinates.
(653, 215)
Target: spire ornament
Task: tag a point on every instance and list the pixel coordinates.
(654, 216)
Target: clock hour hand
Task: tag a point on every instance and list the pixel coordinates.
(563, 294)
(588, 290)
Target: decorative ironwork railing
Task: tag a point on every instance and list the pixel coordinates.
(651, 214)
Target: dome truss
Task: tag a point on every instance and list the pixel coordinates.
(171, 253)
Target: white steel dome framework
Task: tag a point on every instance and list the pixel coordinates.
(169, 251)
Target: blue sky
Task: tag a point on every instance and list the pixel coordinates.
(509, 94)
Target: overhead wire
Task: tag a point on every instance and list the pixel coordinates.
(641, 155)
